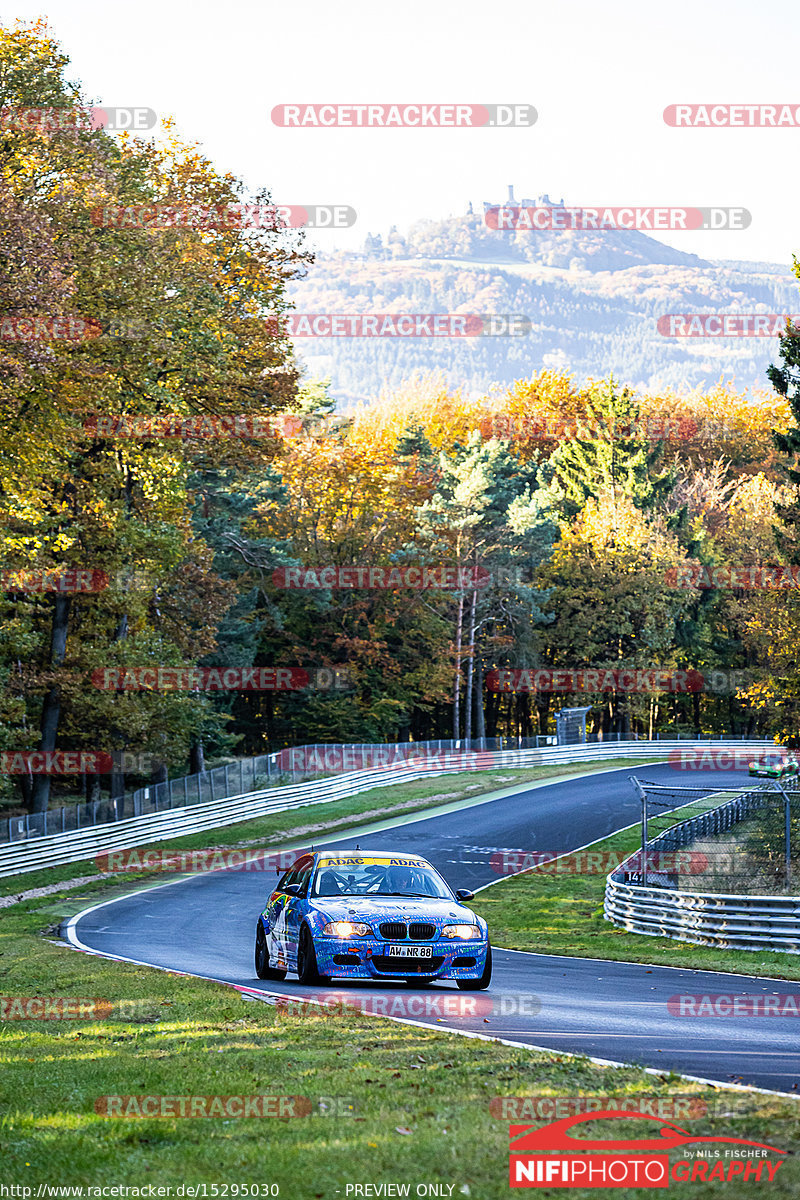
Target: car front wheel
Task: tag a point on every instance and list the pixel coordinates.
(263, 969)
(307, 971)
(477, 985)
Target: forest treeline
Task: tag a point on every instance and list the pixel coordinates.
(201, 558)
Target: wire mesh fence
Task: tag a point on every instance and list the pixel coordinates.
(231, 779)
(740, 841)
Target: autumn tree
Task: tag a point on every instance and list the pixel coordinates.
(493, 514)
(195, 300)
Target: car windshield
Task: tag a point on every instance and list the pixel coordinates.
(368, 876)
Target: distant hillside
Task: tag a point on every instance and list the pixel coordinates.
(593, 299)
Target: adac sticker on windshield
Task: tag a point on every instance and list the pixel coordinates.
(345, 862)
(378, 862)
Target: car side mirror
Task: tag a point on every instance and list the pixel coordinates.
(293, 889)
(465, 894)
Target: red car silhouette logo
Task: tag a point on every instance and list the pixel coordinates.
(556, 1136)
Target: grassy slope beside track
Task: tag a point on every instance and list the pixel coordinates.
(420, 1099)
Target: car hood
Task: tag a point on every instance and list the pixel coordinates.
(392, 908)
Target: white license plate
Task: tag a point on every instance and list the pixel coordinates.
(410, 951)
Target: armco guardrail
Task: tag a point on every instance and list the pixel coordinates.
(59, 849)
(215, 784)
(235, 779)
(705, 918)
(296, 763)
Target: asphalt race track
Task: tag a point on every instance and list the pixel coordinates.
(204, 925)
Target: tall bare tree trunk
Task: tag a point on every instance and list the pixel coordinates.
(197, 759)
(117, 775)
(457, 684)
(51, 706)
(480, 719)
(470, 666)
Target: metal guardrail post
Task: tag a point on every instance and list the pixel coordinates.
(788, 846)
(787, 834)
(643, 797)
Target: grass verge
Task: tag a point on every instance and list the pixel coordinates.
(389, 1103)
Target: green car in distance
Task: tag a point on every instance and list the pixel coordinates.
(781, 770)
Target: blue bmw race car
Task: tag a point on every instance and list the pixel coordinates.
(355, 914)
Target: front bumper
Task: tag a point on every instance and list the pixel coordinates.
(369, 958)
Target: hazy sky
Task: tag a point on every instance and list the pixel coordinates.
(599, 76)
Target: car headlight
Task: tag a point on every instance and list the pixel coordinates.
(461, 931)
(347, 929)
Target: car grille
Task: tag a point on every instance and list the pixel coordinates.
(418, 931)
(464, 961)
(395, 930)
(346, 960)
(407, 966)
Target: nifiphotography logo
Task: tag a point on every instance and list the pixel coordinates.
(549, 1156)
